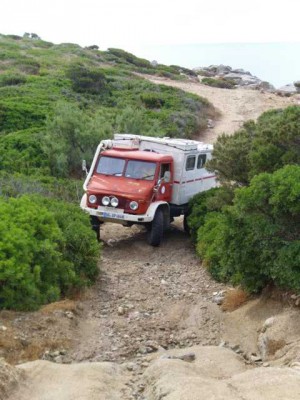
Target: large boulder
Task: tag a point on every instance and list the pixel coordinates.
(217, 373)
(239, 76)
(287, 90)
(85, 381)
(279, 338)
(9, 378)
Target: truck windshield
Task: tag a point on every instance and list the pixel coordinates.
(140, 170)
(134, 169)
(110, 166)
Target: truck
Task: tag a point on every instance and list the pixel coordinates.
(145, 180)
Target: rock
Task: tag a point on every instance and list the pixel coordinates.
(3, 328)
(218, 373)
(239, 76)
(280, 335)
(218, 299)
(69, 314)
(210, 124)
(121, 310)
(189, 357)
(287, 90)
(54, 354)
(131, 366)
(268, 323)
(255, 358)
(163, 282)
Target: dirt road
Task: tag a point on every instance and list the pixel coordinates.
(235, 105)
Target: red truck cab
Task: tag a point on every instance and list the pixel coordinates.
(130, 178)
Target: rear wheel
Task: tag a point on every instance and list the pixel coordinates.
(155, 234)
(185, 224)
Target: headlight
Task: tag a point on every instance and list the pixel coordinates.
(92, 199)
(133, 205)
(105, 200)
(114, 202)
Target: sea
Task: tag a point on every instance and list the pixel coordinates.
(277, 63)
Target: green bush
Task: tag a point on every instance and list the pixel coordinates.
(21, 151)
(47, 250)
(87, 80)
(219, 83)
(256, 240)
(297, 84)
(152, 100)
(18, 184)
(276, 140)
(130, 58)
(264, 146)
(71, 136)
(202, 203)
(10, 79)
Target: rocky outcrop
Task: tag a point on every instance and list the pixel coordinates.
(239, 76)
(85, 381)
(217, 373)
(288, 90)
(279, 340)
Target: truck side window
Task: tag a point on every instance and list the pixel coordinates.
(190, 163)
(163, 169)
(201, 161)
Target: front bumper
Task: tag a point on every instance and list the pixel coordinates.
(108, 214)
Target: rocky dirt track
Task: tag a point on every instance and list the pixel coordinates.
(151, 328)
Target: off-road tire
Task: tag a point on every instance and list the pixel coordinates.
(155, 235)
(185, 224)
(95, 223)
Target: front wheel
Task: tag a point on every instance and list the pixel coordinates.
(95, 226)
(155, 234)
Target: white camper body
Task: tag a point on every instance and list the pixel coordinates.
(190, 175)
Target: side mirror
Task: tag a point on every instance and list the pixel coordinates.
(84, 168)
(157, 186)
(167, 176)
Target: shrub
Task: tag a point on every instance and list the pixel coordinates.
(18, 184)
(130, 58)
(219, 83)
(256, 240)
(275, 140)
(21, 151)
(47, 250)
(264, 146)
(10, 79)
(202, 203)
(71, 135)
(152, 100)
(87, 80)
(231, 157)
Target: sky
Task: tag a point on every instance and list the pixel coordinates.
(144, 26)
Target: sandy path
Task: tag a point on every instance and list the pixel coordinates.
(235, 105)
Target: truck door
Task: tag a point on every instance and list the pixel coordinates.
(188, 178)
(165, 190)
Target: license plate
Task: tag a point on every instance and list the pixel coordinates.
(106, 214)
